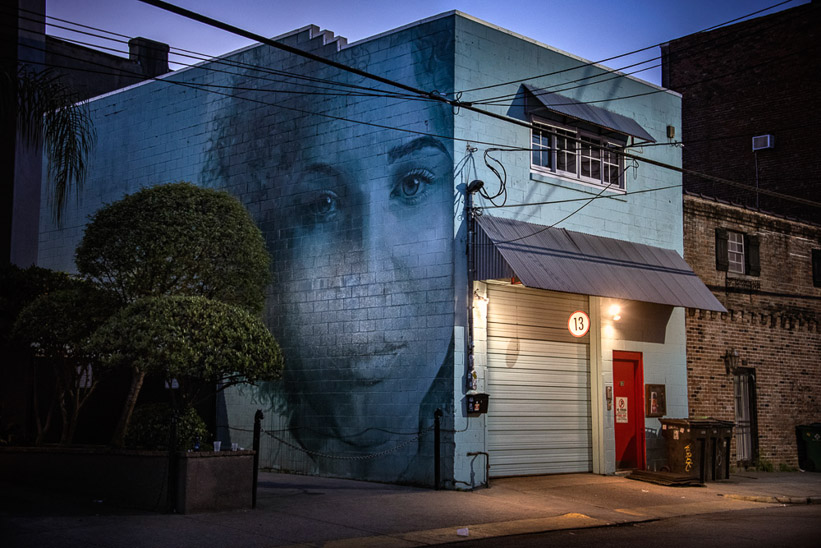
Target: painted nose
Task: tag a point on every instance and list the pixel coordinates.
(377, 231)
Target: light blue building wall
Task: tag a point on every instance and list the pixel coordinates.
(485, 55)
(359, 192)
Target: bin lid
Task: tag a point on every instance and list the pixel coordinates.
(708, 422)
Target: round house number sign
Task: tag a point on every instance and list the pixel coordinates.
(578, 324)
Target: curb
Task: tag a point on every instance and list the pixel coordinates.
(775, 499)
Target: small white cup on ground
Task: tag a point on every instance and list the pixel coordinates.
(217, 445)
(234, 446)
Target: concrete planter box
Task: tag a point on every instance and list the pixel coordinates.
(207, 481)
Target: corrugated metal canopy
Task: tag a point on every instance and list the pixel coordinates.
(572, 262)
(588, 113)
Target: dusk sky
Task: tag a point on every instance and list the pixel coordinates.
(592, 29)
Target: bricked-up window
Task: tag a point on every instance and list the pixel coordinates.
(737, 252)
(577, 155)
(816, 267)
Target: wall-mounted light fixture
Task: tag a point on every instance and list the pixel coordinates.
(731, 360)
(615, 312)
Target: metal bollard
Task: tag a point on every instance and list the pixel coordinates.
(437, 434)
(258, 416)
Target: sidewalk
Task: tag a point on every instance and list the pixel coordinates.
(308, 511)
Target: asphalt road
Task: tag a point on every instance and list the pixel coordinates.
(785, 526)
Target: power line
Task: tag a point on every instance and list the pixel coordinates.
(592, 63)
(586, 198)
(717, 41)
(507, 149)
(436, 96)
(452, 103)
(616, 74)
(203, 57)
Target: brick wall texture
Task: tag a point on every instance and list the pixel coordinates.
(753, 78)
(771, 320)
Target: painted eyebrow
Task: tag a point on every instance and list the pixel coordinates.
(417, 144)
(324, 169)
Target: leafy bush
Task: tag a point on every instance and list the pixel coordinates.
(150, 428)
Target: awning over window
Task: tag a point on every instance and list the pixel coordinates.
(572, 262)
(588, 113)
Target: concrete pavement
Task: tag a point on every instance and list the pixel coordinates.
(307, 511)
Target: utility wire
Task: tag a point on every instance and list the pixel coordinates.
(439, 98)
(718, 41)
(592, 63)
(491, 144)
(221, 61)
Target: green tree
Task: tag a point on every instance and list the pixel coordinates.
(190, 339)
(18, 288)
(177, 239)
(56, 326)
(173, 240)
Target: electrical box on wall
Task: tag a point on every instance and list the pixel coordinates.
(476, 403)
(763, 142)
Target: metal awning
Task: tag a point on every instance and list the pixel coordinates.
(572, 262)
(586, 112)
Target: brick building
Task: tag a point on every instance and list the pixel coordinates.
(772, 323)
(749, 113)
(756, 78)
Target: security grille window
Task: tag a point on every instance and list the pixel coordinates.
(737, 252)
(570, 153)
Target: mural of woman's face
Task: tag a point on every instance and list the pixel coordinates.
(359, 220)
(366, 281)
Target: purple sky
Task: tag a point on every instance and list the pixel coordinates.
(592, 29)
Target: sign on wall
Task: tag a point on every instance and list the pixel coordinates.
(621, 409)
(578, 324)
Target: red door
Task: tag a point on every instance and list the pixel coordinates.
(628, 406)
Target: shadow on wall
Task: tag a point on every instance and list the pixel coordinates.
(639, 321)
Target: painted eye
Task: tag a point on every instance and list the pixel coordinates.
(324, 206)
(413, 184)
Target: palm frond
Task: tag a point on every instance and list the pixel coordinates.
(47, 109)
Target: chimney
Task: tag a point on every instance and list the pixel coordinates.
(152, 56)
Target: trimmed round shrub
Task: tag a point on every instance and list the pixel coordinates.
(151, 427)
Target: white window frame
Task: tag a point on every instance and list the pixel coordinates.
(566, 151)
(735, 252)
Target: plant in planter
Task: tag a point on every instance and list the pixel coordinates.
(150, 427)
(193, 340)
(191, 267)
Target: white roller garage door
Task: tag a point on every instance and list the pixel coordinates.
(539, 383)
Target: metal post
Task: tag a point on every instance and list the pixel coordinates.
(171, 498)
(437, 434)
(258, 416)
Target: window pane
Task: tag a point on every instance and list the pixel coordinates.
(566, 147)
(735, 248)
(613, 175)
(590, 158)
(540, 143)
(595, 170)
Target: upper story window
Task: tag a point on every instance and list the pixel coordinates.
(579, 140)
(575, 154)
(737, 252)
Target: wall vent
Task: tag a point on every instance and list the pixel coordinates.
(762, 142)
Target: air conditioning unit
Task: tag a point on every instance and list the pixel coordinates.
(763, 142)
